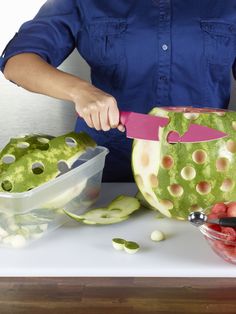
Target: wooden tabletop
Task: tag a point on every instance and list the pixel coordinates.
(117, 295)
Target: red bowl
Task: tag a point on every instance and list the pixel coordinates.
(220, 243)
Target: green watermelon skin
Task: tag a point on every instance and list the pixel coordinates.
(179, 178)
(38, 163)
(20, 146)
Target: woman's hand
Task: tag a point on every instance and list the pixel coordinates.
(97, 108)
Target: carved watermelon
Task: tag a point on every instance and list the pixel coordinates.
(179, 178)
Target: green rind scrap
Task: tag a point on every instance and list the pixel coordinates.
(126, 204)
(118, 241)
(74, 216)
(20, 173)
(131, 245)
(116, 211)
(109, 221)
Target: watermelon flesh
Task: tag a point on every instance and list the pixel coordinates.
(177, 179)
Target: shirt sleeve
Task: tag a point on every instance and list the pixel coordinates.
(51, 33)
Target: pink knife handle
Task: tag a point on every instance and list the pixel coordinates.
(124, 116)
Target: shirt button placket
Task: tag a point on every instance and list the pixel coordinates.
(164, 51)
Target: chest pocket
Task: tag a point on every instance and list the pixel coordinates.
(219, 42)
(219, 55)
(102, 45)
(106, 41)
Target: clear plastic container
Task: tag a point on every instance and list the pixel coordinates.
(28, 216)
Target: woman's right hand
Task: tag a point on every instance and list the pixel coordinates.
(97, 108)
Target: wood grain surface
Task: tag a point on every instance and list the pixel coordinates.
(117, 295)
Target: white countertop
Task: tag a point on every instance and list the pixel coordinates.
(76, 249)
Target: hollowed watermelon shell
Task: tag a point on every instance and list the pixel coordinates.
(28, 162)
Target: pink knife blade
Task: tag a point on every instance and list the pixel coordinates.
(144, 126)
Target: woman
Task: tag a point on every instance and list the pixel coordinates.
(142, 53)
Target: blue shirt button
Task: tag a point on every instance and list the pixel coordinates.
(164, 47)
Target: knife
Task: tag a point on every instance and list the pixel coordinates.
(146, 127)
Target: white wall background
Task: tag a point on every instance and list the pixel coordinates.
(22, 111)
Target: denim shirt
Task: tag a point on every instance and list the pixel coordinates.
(145, 53)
